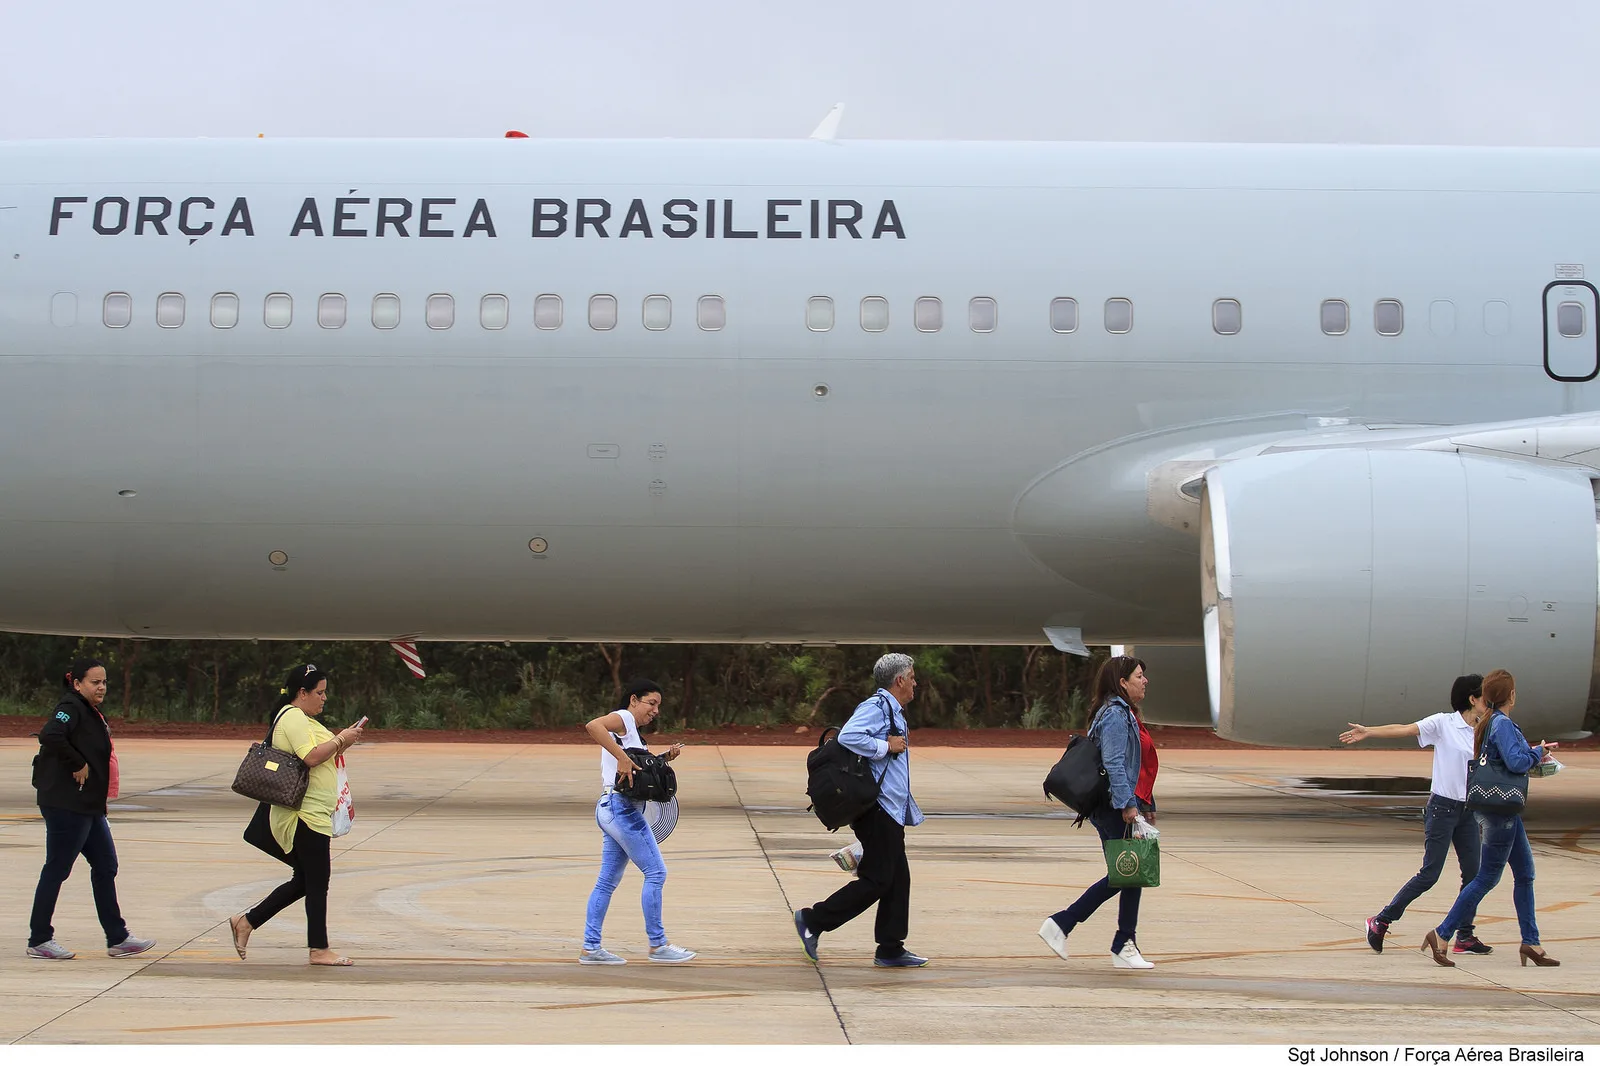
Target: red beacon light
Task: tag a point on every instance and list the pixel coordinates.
(516, 133)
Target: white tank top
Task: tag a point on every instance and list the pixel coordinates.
(629, 739)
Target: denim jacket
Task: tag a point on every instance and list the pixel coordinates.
(1506, 743)
(1118, 733)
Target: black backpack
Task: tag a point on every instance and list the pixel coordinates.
(653, 780)
(841, 783)
(1078, 778)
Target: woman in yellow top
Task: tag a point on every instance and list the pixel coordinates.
(306, 832)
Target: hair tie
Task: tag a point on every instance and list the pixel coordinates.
(283, 692)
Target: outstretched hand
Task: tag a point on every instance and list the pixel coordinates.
(1355, 734)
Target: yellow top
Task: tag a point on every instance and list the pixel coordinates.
(299, 733)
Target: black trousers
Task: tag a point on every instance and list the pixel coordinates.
(883, 877)
(1107, 821)
(68, 834)
(313, 869)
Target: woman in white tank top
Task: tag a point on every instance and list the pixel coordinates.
(625, 834)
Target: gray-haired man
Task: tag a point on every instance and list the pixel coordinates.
(877, 730)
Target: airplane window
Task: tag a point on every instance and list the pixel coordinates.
(819, 314)
(1119, 315)
(927, 314)
(224, 310)
(657, 312)
(440, 311)
(983, 314)
(547, 312)
(1388, 317)
(1064, 314)
(169, 310)
(1496, 318)
(64, 309)
(874, 314)
(278, 310)
(1569, 319)
(1227, 317)
(331, 311)
(711, 313)
(117, 311)
(494, 311)
(385, 310)
(1335, 317)
(602, 312)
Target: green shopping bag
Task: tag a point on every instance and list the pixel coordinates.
(1133, 863)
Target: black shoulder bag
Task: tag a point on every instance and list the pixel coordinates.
(840, 782)
(653, 778)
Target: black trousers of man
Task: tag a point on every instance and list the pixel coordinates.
(882, 877)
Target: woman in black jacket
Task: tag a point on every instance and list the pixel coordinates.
(75, 773)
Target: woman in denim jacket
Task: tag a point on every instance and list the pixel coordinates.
(1119, 688)
(1504, 839)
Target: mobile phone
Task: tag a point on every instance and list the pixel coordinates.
(362, 724)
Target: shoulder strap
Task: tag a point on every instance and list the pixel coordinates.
(273, 728)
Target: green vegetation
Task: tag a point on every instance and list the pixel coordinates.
(550, 686)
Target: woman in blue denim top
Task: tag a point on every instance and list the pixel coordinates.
(1504, 839)
(1118, 689)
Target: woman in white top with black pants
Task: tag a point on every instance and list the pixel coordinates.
(1446, 820)
(625, 834)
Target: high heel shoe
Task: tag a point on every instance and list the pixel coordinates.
(1536, 956)
(1430, 943)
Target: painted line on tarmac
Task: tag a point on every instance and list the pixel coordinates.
(263, 1025)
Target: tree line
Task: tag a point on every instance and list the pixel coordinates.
(550, 686)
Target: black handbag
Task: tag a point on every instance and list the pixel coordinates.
(653, 778)
(258, 834)
(1078, 779)
(269, 775)
(1491, 787)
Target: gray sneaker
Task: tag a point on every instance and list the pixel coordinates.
(49, 950)
(600, 957)
(131, 946)
(670, 953)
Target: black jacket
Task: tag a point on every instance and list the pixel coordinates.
(73, 735)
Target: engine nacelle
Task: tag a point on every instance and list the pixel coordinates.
(1344, 586)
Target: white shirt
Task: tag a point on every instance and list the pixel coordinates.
(1451, 739)
(630, 739)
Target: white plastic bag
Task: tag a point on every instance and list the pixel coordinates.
(1143, 830)
(344, 810)
(848, 857)
(1550, 767)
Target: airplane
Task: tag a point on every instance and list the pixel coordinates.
(1313, 429)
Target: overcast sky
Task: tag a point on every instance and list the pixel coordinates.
(1401, 71)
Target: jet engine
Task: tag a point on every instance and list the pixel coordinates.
(1347, 585)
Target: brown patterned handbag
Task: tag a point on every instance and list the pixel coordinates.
(272, 776)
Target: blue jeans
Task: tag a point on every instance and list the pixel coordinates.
(627, 838)
(1445, 822)
(1108, 822)
(1504, 842)
(68, 834)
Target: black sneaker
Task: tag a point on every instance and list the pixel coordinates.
(1376, 931)
(1470, 945)
(808, 939)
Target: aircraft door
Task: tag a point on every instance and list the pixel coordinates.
(1571, 334)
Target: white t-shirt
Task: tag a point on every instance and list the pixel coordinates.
(630, 739)
(1451, 739)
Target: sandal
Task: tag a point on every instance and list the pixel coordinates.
(239, 941)
(338, 960)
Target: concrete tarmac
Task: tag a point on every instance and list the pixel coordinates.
(461, 895)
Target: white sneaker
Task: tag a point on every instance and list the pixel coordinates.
(601, 957)
(1051, 934)
(670, 953)
(1130, 959)
(49, 950)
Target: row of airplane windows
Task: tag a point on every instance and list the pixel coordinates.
(711, 313)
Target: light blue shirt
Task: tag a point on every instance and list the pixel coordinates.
(867, 734)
